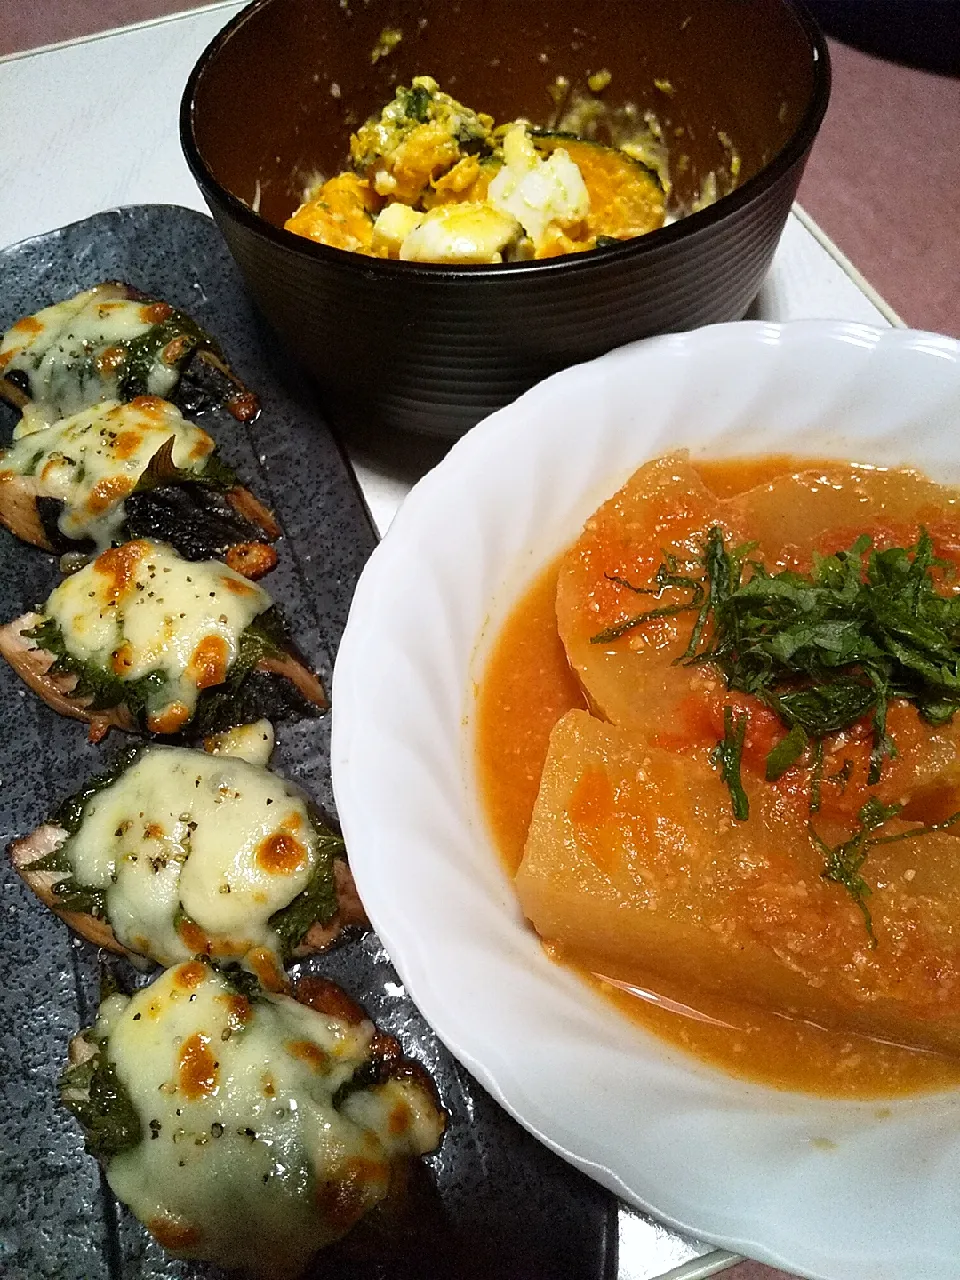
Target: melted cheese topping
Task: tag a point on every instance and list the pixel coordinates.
(92, 460)
(251, 742)
(224, 841)
(72, 352)
(140, 608)
(244, 1158)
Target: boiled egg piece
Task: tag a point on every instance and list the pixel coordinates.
(391, 227)
(538, 193)
(467, 233)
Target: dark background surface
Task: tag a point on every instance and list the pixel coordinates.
(921, 33)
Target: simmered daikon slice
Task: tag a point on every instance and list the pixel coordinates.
(634, 867)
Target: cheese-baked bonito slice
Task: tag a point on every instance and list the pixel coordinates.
(114, 343)
(106, 474)
(141, 638)
(245, 1128)
(177, 852)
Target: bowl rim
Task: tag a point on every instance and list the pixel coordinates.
(792, 152)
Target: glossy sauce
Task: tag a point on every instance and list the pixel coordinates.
(526, 687)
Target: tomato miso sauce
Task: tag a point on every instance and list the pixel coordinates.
(526, 687)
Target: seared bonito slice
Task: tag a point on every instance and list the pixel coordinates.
(243, 1127)
(142, 639)
(176, 852)
(108, 470)
(113, 342)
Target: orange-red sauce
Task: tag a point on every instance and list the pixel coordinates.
(526, 687)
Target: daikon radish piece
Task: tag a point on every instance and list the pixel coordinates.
(634, 868)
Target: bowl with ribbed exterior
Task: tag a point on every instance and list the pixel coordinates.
(434, 348)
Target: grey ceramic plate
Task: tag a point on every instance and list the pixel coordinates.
(492, 1202)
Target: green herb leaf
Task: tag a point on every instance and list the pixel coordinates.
(724, 572)
(825, 708)
(825, 649)
(217, 707)
(161, 470)
(924, 829)
(69, 893)
(228, 704)
(69, 814)
(102, 687)
(147, 350)
(318, 901)
(816, 776)
(367, 1076)
(845, 860)
(94, 1093)
(240, 980)
(416, 102)
(728, 754)
(34, 462)
(787, 752)
(71, 896)
(666, 579)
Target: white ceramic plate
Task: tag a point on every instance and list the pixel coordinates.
(733, 1162)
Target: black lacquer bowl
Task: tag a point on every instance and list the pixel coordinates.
(433, 349)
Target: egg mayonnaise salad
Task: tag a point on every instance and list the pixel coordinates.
(434, 181)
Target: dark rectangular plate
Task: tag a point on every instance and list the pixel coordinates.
(493, 1203)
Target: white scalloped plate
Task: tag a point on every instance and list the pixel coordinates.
(730, 1161)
